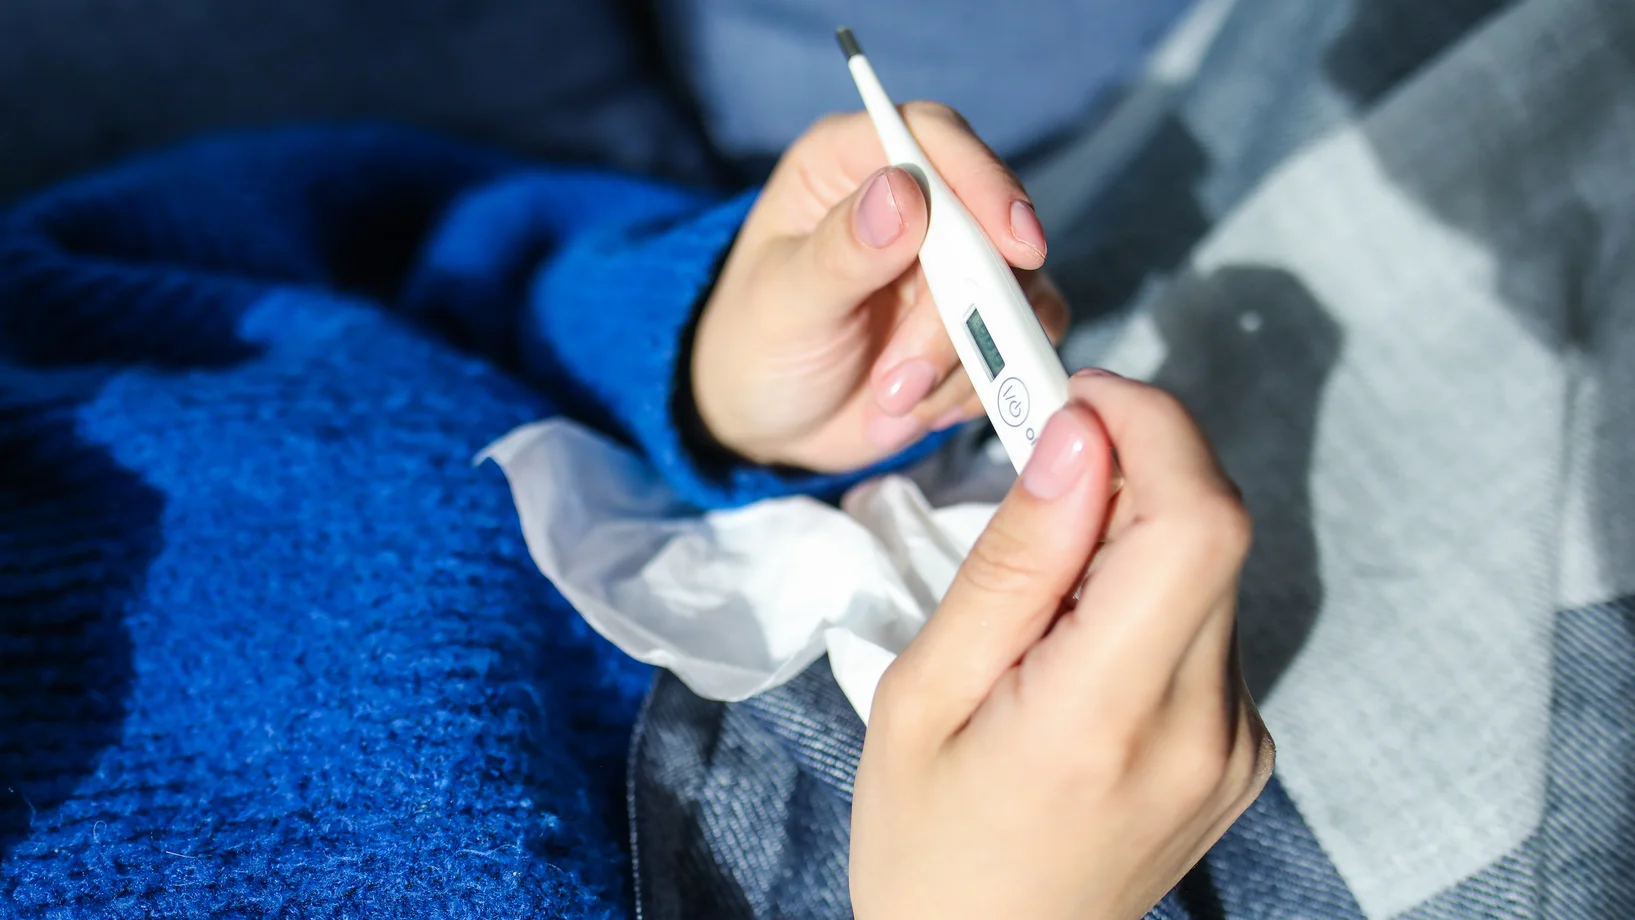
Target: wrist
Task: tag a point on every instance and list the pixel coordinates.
(712, 454)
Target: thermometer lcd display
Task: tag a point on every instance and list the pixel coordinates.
(984, 343)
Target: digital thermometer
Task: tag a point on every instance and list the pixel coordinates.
(1006, 353)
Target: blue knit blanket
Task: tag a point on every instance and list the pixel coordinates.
(270, 644)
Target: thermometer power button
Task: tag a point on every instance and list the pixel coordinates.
(1012, 399)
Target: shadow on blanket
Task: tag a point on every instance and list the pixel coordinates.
(1249, 350)
(1387, 41)
(80, 531)
(1145, 228)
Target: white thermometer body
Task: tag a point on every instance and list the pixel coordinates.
(1006, 353)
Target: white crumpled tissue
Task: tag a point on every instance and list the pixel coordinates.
(739, 601)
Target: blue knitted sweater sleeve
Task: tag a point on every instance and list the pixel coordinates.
(583, 283)
(612, 315)
(606, 319)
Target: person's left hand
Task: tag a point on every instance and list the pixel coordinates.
(820, 347)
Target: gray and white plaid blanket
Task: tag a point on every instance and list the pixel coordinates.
(1386, 252)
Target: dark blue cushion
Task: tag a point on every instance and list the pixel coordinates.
(86, 82)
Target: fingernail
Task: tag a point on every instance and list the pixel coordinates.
(1096, 372)
(948, 419)
(902, 388)
(890, 434)
(1026, 228)
(879, 222)
(1059, 458)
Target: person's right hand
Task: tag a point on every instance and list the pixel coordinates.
(1029, 757)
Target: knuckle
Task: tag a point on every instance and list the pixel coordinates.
(1210, 750)
(1224, 523)
(898, 697)
(1003, 174)
(1158, 404)
(892, 688)
(1053, 316)
(1199, 771)
(1117, 751)
(1198, 786)
(1202, 755)
(1107, 762)
(1213, 533)
(832, 253)
(998, 563)
(831, 124)
(932, 110)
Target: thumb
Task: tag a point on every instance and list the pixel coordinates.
(1014, 581)
(863, 244)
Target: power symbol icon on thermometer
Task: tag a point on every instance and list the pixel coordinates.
(1012, 397)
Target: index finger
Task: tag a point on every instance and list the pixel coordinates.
(1164, 459)
(988, 188)
(843, 150)
(1156, 587)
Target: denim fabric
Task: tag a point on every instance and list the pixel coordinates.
(1506, 890)
(1588, 862)
(1579, 864)
(743, 810)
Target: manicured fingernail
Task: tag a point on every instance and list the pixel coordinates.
(1026, 228)
(889, 433)
(902, 388)
(879, 222)
(1059, 458)
(948, 419)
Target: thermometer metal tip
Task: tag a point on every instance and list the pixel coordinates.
(848, 42)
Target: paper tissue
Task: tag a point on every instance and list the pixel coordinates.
(736, 602)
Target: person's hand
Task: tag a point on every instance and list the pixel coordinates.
(1029, 757)
(820, 346)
